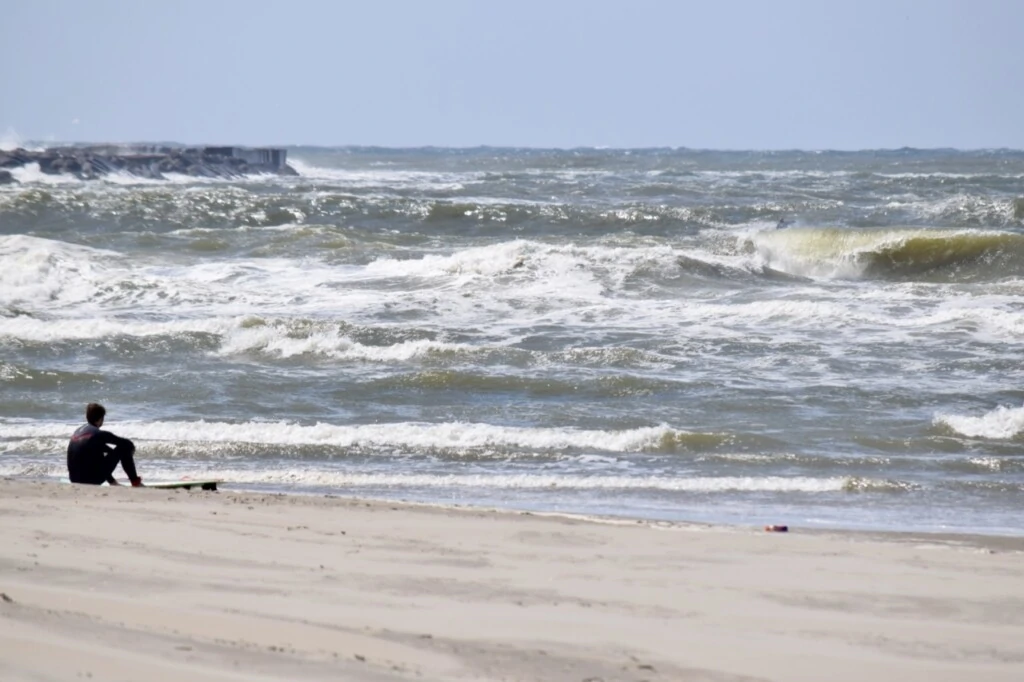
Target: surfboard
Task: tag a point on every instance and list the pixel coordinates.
(210, 484)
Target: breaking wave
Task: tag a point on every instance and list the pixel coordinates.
(422, 437)
(1002, 423)
(897, 254)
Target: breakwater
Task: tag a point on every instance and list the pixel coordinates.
(148, 161)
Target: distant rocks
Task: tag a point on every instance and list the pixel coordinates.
(154, 162)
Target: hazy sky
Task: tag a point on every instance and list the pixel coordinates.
(761, 74)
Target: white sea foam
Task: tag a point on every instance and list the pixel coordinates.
(125, 179)
(31, 174)
(395, 483)
(1001, 423)
(487, 260)
(544, 271)
(280, 341)
(386, 178)
(412, 435)
(60, 329)
(511, 285)
(963, 208)
(51, 273)
(952, 176)
(39, 270)
(1001, 323)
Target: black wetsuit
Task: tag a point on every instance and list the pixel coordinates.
(91, 459)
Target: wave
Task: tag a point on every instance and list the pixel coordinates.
(56, 330)
(396, 483)
(893, 253)
(614, 304)
(437, 309)
(424, 207)
(386, 178)
(976, 211)
(1002, 423)
(286, 339)
(410, 217)
(52, 277)
(419, 437)
(40, 270)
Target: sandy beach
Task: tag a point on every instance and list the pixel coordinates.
(123, 584)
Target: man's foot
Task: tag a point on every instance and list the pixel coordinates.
(137, 482)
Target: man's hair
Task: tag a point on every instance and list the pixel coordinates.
(94, 412)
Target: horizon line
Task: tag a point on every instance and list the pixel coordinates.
(604, 148)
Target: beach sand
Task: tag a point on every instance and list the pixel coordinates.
(128, 584)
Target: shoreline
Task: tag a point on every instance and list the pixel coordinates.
(122, 583)
(977, 538)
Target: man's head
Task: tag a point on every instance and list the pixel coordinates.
(94, 414)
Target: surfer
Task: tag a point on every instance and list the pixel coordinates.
(782, 223)
(94, 454)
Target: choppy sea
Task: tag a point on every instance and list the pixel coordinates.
(615, 332)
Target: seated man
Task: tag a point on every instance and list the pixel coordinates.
(91, 459)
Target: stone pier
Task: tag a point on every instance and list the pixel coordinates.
(149, 161)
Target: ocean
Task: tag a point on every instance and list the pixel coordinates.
(626, 333)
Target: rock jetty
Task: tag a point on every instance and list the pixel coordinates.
(148, 161)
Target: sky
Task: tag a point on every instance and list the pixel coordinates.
(712, 74)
